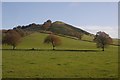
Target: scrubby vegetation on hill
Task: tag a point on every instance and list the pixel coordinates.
(56, 27)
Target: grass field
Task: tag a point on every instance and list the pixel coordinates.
(73, 58)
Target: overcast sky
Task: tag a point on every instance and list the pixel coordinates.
(90, 16)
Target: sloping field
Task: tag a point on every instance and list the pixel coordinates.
(74, 58)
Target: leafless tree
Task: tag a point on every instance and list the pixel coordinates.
(79, 35)
(102, 40)
(11, 38)
(52, 39)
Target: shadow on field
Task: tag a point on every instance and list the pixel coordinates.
(66, 50)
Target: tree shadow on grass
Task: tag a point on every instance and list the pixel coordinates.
(77, 50)
(65, 50)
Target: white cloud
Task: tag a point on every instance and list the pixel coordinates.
(112, 31)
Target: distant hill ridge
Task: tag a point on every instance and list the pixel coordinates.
(56, 27)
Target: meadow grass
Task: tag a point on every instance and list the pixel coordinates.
(85, 61)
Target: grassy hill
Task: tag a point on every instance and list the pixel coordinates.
(66, 29)
(61, 28)
(56, 27)
(73, 59)
(36, 39)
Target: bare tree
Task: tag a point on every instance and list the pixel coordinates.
(52, 39)
(20, 31)
(11, 38)
(102, 40)
(79, 35)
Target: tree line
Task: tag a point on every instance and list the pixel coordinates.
(13, 38)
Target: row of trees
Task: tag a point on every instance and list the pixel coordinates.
(101, 38)
(13, 38)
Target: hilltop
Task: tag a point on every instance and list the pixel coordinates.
(57, 27)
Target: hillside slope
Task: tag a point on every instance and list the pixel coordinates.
(36, 39)
(66, 29)
(56, 27)
(59, 64)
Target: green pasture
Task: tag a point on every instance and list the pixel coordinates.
(73, 59)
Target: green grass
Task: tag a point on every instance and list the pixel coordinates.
(59, 64)
(87, 37)
(116, 41)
